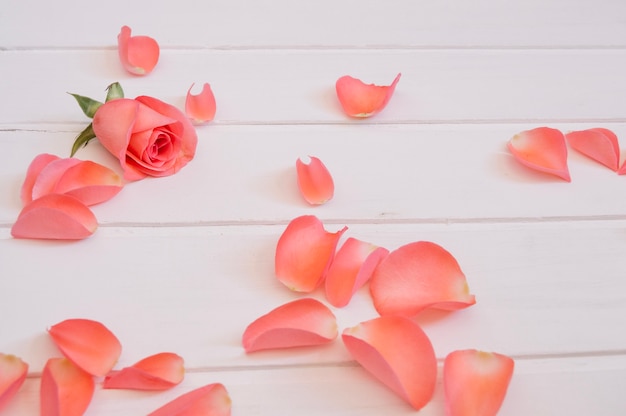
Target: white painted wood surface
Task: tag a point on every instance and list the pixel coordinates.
(184, 263)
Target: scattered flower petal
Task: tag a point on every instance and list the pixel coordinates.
(200, 108)
(13, 372)
(49, 176)
(304, 253)
(34, 169)
(90, 183)
(398, 353)
(417, 276)
(55, 217)
(362, 100)
(88, 344)
(599, 144)
(352, 266)
(210, 400)
(542, 149)
(157, 372)
(314, 181)
(138, 54)
(303, 322)
(622, 170)
(66, 390)
(475, 382)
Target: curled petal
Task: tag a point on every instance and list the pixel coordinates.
(157, 372)
(303, 322)
(138, 54)
(363, 100)
(88, 344)
(200, 108)
(304, 252)
(212, 399)
(314, 181)
(352, 266)
(66, 390)
(89, 182)
(475, 382)
(49, 176)
(55, 217)
(398, 353)
(417, 276)
(542, 149)
(13, 372)
(34, 169)
(599, 144)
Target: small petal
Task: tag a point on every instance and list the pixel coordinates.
(200, 108)
(303, 322)
(66, 390)
(55, 217)
(304, 253)
(475, 382)
(417, 276)
(314, 181)
(88, 344)
(210, 400)
(352, 266)
(157, 372)
(35, 167)
(13, 372)
(542, 149)
(138, 54)
(398, 353)
(89, 182)
(362, 100)
(622, 170)
(599, 144)
(49, 176)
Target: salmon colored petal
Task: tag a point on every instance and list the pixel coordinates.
(363, 100)
(475, 382)
(599, 144)
(314, 181)
(200, 108)
(157, 372)
(303, 322)
(138, 54)
(35, 167)
(49, 176)
(88, 344)
(13, 372)
(89, 182)
(417, 276)
(352, 266)
(66, 390)
(622, 170)
(304, 253)
(542, 149)
(210, 400)
(398, 353)
(55, 217)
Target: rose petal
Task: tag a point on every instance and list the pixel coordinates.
(200, 108)
(622, 170)
(303, 322)
(417, 276)
(314, 181)
(398, 353)
(49, 176)
(475, 382)
(156, 372)
(35, 167)
(138, 54)
(88, 344)
(13, 372)
(363, 100)
(599, 144)
(352, 266)
(66, 390)
(542, 149)
(55, 217)
(212, 400)
(89, 182)
(304, 252)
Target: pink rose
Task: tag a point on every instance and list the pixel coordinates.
(148, 136)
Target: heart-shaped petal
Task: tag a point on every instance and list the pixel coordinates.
(88, 344)
(398, 353)
(314, 181)
(89, 182)
(475, 382)
(417, 276)
(599, 144)
(542, 149)
(66, 390)
(303, 322)
(352, 266)
(363, 100)
(34, 169)
(200, 108)
(210, 400)
(13, 372)
(138, 54)
(156, 372)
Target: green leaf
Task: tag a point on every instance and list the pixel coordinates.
(114, 91)
(83, 138)
(88, 105)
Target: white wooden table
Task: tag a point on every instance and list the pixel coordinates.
(185, 263)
